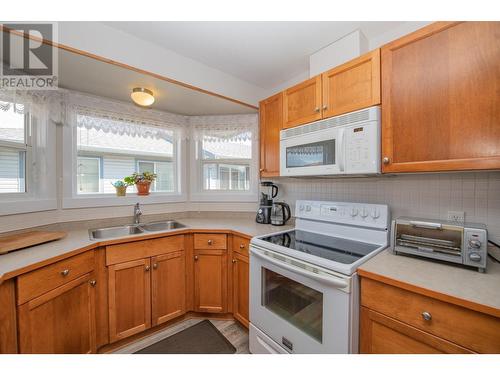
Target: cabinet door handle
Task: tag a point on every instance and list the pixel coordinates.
(93, 282)
(210, 242)
(262, 170)
(65, 272)
(316, 109)
(386, 160)
(155, 266)
(234, 261)
(147, 268)
(242, 246)
(426, 315)
(196, 257)
(325, 108)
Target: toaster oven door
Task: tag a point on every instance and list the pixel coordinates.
(428, 239)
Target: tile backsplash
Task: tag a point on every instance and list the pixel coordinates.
(420, 195)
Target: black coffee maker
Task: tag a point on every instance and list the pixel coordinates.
(266, 202)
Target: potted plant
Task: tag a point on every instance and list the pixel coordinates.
(121, 187)
(142, 181)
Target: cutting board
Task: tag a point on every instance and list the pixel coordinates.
(27, 239)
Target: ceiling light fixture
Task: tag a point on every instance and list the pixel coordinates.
(142, 96)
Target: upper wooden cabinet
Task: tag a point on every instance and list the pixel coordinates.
(440, 99)
(271, 122)
(302, 103)
(352, 86)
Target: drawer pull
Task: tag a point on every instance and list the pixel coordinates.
(93, 282)
(65, 272)
(242, 246)
(196, 257)
(426, 315)
(210, 242)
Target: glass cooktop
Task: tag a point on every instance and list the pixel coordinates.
(328, 247)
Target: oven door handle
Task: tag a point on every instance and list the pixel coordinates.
(333, 281)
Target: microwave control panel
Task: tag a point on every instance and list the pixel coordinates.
(362, 148)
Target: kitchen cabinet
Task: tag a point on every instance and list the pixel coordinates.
(8, 318)
(129, 294)
(210, 280)
(270, 124)
(396, 320)
(352, 86)
(61, 320)
(302, 103)
(440, 99)
(241, 288)
(168, 287)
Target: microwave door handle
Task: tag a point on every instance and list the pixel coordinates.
(341, 150)
(335, 282)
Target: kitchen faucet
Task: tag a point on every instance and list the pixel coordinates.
(137, 213)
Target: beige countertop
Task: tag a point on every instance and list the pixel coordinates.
(448, 280)
(78, 240)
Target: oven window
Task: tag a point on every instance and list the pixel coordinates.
(311, 154)
(294, 302)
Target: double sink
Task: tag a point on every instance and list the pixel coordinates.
(129, 230)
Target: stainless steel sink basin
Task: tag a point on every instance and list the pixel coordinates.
(128, 230)
(164, 225)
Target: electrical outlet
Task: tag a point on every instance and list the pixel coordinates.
(456, 216)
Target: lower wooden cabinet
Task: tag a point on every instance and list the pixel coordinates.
(210, 280)
(61, 320)
(383, 335)
(129, 294)
(240, 288)
(168, 287)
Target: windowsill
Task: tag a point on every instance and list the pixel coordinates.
(224, 196)
(109, 200)
(28, 205)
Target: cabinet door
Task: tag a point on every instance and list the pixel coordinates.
(61, 321)
(240, 288)
(383, 335)
(352, 86)
(302, 103)
(129, 293)
(168, 287)
(440, 99)
(271, 122)
(210, 280)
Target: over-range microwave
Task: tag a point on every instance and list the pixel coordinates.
(348, 144)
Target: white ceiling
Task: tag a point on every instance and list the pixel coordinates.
(95, 77)
(265, 54)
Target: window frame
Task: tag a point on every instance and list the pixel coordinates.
(199, 194)
(71, 199)
(40, 158)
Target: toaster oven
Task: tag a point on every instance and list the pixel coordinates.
(441, 240)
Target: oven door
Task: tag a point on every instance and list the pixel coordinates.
(301, 308)
(318, 153)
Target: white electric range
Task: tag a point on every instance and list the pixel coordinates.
(304, 291)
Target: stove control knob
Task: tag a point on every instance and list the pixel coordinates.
(364, 213)
(475, 257)
(375, 214)
(301, 207)
(354, 211)
(475, 244)
(308, 208)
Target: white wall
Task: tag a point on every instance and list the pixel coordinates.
(419, 195)
(397, 32)
(337, 53)
(105, 41)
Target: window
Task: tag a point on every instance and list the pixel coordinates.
(15, 144)
(224, 164)
(109, 150)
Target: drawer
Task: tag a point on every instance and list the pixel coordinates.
(129, 251)
(241, 245)
(40, 281)
(471, 329)
(210, 241)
